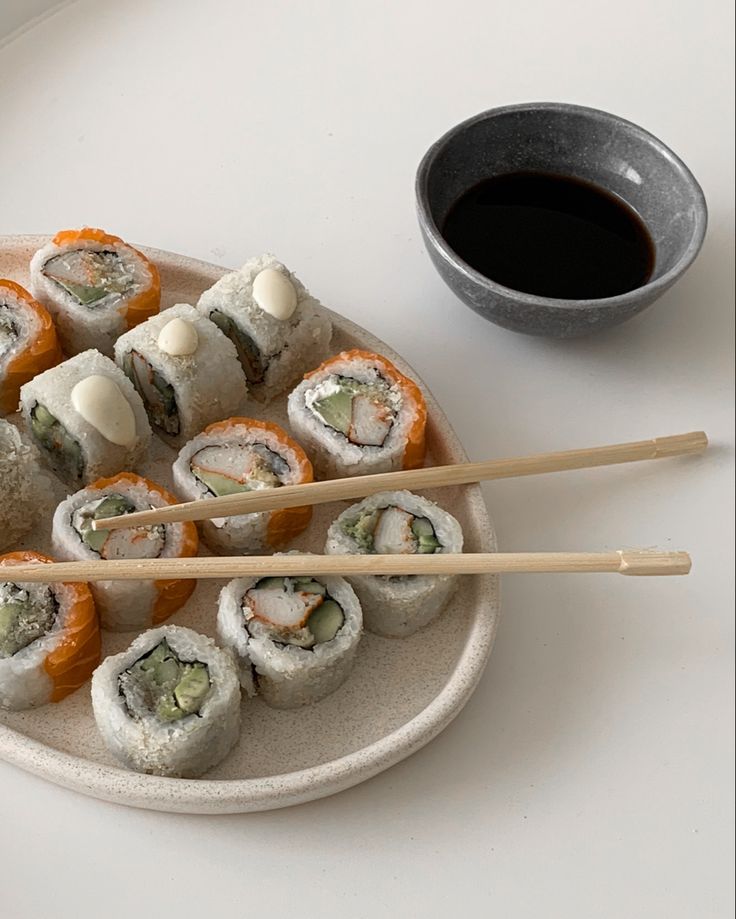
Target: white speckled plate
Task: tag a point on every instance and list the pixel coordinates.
(401, 694)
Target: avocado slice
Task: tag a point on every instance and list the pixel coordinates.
(192, 688)
(84, 295)
(336, 410)
(219, 485)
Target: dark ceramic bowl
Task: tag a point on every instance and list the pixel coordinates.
(574, 141)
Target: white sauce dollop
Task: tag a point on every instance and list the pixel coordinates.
(178, 337)
(274, 293)
(100, 402)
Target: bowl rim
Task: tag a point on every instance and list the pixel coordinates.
(632, 297)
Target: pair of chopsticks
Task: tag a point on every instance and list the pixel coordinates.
(620, 562)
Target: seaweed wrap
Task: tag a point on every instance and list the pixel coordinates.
(357, 414)
(24, 489)
(185, 371)
(125, 605)
(95, 286)
(278, 328)
(28, 342)
(49, 637)
(390, 523)
(86, 418)
(294, 638)
(169, 704)
(238, 455)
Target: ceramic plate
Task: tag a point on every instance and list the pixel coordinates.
(401, 694)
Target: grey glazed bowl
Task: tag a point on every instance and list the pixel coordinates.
(574, 141)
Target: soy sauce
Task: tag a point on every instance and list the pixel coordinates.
(550, 235)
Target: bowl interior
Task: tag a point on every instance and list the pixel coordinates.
(582, 143)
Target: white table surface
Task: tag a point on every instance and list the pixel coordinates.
(589, 774)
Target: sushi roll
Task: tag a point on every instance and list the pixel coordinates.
(391, 523)
(24, 489)
(242, 454)
(28, 342)
(169, 704)
(96, 287)
(356, 414)
(294, 638)
(87, 418)
(185, 371)
(49, 637)
(278, 328)
(125, 605)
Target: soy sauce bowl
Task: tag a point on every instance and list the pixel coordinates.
(578, 142)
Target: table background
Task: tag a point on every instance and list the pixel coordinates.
(590, 773)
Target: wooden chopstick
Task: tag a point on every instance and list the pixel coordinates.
(634, 562)
(431, 477)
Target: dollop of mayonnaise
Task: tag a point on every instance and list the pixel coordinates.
(99, 400)
(274, 293)
(178, 337)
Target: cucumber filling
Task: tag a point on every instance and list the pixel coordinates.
(163, 685)
(364, 413)
(63, 449)
(392, 531)
(89, 276)
(251, 359)
(157, 394)
(27, 613)
(292, 611)
(137, 542)
(232, 468)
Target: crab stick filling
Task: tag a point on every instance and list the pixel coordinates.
(136, 542)
(292, 611)
(158, 395)
(231, 468)
(393, 531)
(363, 412)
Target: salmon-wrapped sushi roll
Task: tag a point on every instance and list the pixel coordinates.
(86, 418)
(96, 286)
(185, 371)
(242, 454)
(125, 605)
(49, 637)
(279, 329)
(28, 342)
(357, 414)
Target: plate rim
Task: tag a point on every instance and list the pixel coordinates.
(221, 796)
